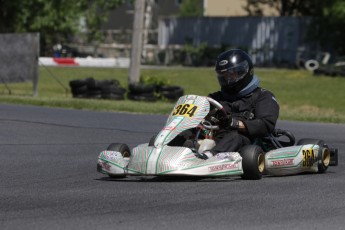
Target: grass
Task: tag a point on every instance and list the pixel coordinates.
(300, 95)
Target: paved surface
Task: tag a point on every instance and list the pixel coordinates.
(48, 180)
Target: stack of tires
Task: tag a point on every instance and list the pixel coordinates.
(142, 92)
(97, 89)
(328, 71)
(171, 93)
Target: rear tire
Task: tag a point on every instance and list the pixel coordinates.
(152, 140)
(253, 162)
(324, 154)
(122, 148)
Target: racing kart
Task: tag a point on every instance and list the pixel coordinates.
(177, 150)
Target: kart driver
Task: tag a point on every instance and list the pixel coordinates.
(252, 111)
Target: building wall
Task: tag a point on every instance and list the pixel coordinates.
(121, 18)
(223, 8)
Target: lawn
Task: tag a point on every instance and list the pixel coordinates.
(301, 95)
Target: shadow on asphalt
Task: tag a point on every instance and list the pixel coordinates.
(168, 179)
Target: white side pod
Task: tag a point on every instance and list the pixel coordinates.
(293, 160)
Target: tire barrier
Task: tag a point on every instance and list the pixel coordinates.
(111, 90)
(311, 65)
(142, 92)
(328, 71)
(97, 89)
(171, 93)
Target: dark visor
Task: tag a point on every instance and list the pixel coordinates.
(233, 74)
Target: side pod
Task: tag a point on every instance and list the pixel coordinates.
(297, 159)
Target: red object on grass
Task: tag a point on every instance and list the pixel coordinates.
(65, 61)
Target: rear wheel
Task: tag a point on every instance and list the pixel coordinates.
(324, 155)
(253, 162)
(152, 140)
(122, 148)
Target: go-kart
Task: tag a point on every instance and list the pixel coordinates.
(177, 150)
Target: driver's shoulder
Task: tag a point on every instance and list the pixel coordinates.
(262, 92)
(265, 96)
(216, 96)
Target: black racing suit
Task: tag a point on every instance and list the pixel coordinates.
(259, 112)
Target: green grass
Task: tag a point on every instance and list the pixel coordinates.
(300, 95)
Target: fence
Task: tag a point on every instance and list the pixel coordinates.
(270, 40)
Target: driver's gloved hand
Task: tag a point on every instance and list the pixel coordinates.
(229, 122)
(235, 123)
(215, 114)
(226, 106)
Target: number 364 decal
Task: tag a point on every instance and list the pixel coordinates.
(308, 157)
(187, 110)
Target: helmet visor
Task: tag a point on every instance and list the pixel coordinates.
(233, 74)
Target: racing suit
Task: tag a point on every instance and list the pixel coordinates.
(258, 110)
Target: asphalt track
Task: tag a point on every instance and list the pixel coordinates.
(48, 180)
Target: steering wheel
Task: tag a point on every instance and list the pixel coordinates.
(217, 106)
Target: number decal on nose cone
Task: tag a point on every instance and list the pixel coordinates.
(308, 157)
(187, 110)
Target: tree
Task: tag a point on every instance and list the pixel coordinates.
(286, 7)
(328, 18)
(56, 20)
(190, 8)
(328, 26)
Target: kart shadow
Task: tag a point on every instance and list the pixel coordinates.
(173, 179)
(302, 174)
(170, 179)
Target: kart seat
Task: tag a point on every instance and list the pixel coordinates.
(277, 139)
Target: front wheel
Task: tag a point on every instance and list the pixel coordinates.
(122, 148)
(253, 162)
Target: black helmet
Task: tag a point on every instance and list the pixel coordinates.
(234, 70)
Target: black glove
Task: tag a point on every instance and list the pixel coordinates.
(224, 121)
(226, 106)
(228, 122)
(235, 124)
(216, 114)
